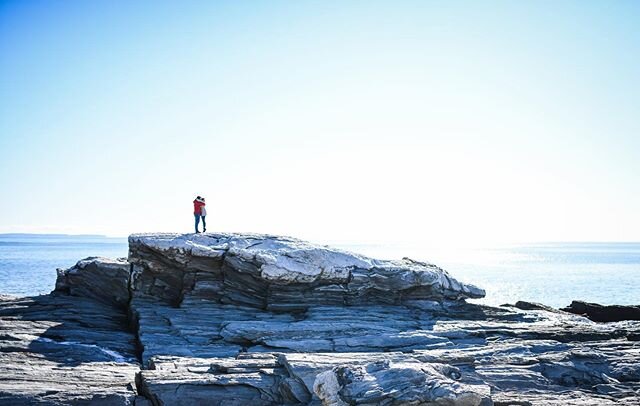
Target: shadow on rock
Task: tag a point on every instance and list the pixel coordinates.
(56, 350)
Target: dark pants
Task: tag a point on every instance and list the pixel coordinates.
(204, 224)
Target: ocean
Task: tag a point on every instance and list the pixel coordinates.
(28, 263)
(551, 273)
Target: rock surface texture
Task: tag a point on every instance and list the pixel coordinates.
(57, 350)
(262, 320)
(278, 273)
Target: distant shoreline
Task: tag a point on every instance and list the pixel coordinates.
(38, 235)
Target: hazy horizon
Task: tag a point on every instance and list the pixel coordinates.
(436, 123)
(368, 243)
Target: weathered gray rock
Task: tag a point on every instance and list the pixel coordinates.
(103, 279)
(400, 383)
(246, 319)
(59, 350)
(280, 273)
(259, 379)
(534, 355)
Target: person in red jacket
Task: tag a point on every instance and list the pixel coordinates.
(198, 206)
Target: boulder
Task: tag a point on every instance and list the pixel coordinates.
(102, 279)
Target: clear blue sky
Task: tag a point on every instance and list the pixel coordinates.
(359, 120)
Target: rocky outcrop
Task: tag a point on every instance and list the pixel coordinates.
(480, 354)
(601, 313)
(522, 305)
(280, 273)
(102, 279)
(248, 319)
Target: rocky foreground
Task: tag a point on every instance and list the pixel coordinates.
(221, 319)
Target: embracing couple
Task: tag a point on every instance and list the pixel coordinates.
(199, 211)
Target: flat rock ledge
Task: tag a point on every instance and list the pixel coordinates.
(236, 319)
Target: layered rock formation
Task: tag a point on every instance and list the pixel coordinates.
(58, 350)
(252, 319)
(281, 274)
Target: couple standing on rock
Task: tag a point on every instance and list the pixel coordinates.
(199, 211)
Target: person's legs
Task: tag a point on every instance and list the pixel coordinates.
(197, 216)
(204, 224)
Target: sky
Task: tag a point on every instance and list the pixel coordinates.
(443, 122)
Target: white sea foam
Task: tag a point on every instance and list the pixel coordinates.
(117, 357)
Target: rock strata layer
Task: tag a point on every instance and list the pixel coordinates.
(59, 350)
(279, 273)
(229, 319)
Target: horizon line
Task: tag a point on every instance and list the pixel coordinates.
(350, 242)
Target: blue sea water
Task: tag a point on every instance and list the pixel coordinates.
(28, 263)
(551, 273)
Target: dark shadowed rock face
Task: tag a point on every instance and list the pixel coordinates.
(260, 320)
(61, 350)
(103, 279)
(602, 313)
